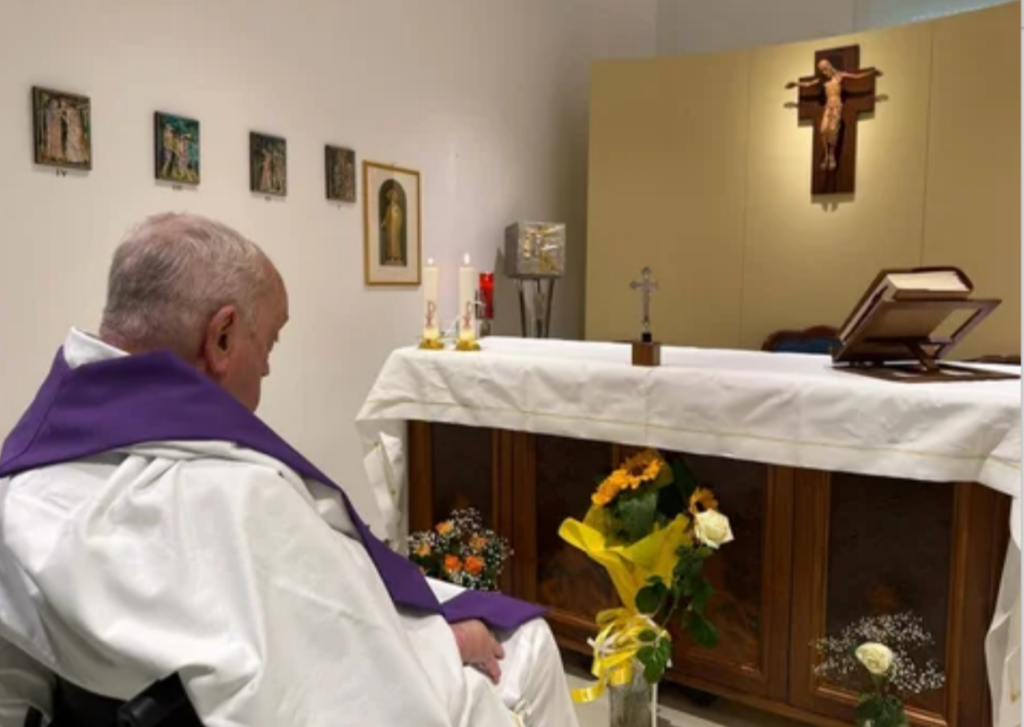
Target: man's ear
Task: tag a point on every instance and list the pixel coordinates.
(220, 339)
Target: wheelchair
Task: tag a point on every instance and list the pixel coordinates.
(162, 704)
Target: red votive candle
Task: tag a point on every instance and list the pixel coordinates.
(487, 294)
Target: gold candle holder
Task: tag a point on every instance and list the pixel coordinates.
(467, 344)
(431, 344)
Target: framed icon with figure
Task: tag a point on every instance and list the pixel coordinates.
(268, 164)
(340, 168)
(177, 148)
(62, 129)
(391, 219)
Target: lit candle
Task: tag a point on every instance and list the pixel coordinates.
(487, 295)
(431, 318)
(467, 301)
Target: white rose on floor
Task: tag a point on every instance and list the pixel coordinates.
(712, 528)
(876, 658)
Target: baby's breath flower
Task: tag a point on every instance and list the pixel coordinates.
(904, 634)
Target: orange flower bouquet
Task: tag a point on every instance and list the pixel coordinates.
(462, 551)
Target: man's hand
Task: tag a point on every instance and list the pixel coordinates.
(479, 648)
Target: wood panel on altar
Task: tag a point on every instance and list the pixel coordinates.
(814, 551)
(873, 546)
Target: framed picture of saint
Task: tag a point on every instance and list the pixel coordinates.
(391, 218)
(177, 148)
(340, 165)
(62, 129)
(268, 164)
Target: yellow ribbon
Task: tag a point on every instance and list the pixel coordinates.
(615, 648)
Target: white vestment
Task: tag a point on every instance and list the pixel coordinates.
(223, 565)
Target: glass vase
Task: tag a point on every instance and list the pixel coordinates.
(635, 703)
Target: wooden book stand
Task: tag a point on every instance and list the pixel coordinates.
(895, 339)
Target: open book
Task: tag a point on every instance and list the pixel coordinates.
(896, 330)
(920, 284)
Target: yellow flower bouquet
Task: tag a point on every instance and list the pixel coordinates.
(651, 528)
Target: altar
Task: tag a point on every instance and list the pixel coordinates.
(849, 496)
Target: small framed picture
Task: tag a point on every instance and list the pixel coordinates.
(62, 126)
(340, 166)
(177, 148)
(391, 217)
(268, 164)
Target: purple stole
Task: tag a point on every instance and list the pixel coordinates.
(156, 397)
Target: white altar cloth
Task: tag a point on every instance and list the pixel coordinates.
(783, 409)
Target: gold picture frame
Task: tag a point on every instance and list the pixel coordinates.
(392, 223)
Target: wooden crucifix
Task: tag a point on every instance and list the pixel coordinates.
(833, 99)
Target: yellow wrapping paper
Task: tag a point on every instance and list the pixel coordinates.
(629, 567)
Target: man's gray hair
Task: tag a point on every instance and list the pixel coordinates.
(172, 273)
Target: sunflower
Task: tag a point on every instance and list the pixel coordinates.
(702, 499)
(642, 467)
(606, 491)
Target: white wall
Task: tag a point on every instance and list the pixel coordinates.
(487, 98)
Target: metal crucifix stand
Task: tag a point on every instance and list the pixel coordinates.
(645, 351)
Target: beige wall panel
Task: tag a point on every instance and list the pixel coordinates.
(668, 159)
(807, 260)
(972, 210)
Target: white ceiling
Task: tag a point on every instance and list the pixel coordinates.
(704, 26)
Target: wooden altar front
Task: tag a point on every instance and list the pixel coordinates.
(814, 551)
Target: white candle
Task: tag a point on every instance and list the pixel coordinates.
(467, 301)
(431, 317)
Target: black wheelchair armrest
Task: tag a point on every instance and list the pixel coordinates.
(164, 704)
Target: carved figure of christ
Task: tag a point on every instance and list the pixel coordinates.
(833, 100)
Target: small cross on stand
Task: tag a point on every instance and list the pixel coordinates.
(645, 351)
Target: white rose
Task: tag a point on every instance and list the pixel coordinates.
(712, 528)
(876, 658)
